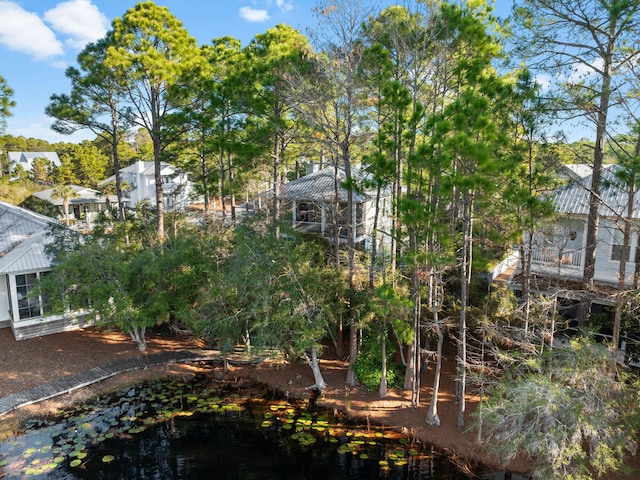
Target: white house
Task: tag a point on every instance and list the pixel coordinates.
(23, 260)
(558, 250)
(84, 206)
(140, 176)
(315, 208)
(26, 159)
(559, 247)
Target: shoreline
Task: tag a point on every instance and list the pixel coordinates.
(289, 381)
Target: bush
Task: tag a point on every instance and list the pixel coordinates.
(368, 366)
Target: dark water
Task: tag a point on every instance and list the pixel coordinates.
(164, 432)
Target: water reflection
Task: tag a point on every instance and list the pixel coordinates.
(171, 430)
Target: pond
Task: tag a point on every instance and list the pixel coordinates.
(168, 429)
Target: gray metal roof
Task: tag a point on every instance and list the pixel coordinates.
(319, 186)
(23, 234)
(576, 171)
(573, 199)
(85, 195)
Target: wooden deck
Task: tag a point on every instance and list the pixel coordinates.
(97, 374)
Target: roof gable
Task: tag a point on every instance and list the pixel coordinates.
(23, 234)
(84, 195)
(573, 199)
(319, 186)
(26, 158)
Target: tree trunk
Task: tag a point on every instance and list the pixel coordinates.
(432, 415)
(314, 363)
(412, 372)
(276, 185)
(382, 391)
(594, 194)
(374, 239)
(353, 356)
(138, 336)
(465, 279)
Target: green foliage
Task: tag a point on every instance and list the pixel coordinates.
(6, 104)
(17, 192)
(572, 410)
(38, 205)
(129, 282)
(368, 364)
(270, 292)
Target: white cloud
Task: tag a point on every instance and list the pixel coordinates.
(40, 127)
(543, 80)
(582, 71)
(80, 20)
(284, 6)
(25, 32)
(253, 15)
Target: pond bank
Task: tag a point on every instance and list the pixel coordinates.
(77, 351)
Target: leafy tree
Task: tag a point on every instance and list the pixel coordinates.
(289, 305)
(466, 141)
(572, 410)
(227, 112)
(273, 57)
(523, 206)
(41, 170)
(387, 309)
(99, 273)
(6, 104)
(333, 103)
(567, 37)
(197, 148)
(83, 164)
(164, 280)
(65, 173)
(126, 280)
(96, 103)
(153, 57)
(90, 274)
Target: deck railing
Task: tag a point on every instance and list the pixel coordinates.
(549, 257)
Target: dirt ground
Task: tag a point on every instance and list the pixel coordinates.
(33, 362)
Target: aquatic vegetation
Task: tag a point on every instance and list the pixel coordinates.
(310, 427)
(66, 439)
(85, 432)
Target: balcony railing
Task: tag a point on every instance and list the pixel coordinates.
(549, 258)
(329, 229)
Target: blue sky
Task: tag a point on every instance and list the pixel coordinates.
(40, 38)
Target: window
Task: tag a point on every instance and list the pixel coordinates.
(308, 212)
(28, 306)
(617, 246)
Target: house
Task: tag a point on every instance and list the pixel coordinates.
(559, 247)
(141, 179)
(23, 237)
(558, 251)
(84, 205)
(315, 207)
(25, 160)
(575, 171)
